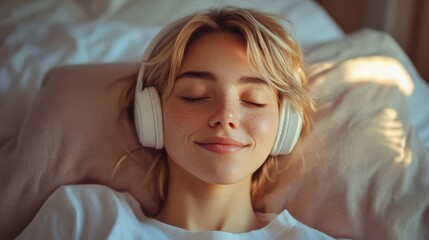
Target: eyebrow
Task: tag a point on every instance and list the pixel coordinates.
(213, 78)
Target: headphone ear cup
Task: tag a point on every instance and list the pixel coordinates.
(289, 130)
(148, 118)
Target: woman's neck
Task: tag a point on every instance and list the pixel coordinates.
(198, 206)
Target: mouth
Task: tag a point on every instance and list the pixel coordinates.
(221, 145)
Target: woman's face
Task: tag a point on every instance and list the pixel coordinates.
(220, 120)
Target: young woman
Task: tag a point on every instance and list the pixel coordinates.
(221, 93)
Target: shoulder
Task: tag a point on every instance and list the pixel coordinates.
(88, 192)
(80, 190)
(89, 202)
(93, 200)
(91, 211)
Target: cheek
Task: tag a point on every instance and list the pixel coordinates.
(179, 121)
(263, 126)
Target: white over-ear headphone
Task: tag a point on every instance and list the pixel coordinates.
(149, 122)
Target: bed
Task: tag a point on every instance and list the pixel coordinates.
(362, 173)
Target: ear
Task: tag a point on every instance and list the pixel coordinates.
(148, 118)
(289, 130)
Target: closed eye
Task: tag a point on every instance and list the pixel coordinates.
(254, 104)
(193, 99)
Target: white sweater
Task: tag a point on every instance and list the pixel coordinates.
(98, 212)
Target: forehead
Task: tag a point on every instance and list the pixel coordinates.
(219, 52)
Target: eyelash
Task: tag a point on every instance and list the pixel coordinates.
(190, 99)
(258, 105)
(194, 100)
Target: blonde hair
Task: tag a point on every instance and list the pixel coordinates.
(271, 50)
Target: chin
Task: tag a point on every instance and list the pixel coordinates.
(226, 177)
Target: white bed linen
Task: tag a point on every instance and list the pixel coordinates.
(419, 95)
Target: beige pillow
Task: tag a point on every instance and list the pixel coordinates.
(72, 134)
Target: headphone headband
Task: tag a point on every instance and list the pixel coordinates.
(149, 49)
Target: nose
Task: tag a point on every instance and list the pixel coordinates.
(225, 115)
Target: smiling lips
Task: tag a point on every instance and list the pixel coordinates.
(221, 145)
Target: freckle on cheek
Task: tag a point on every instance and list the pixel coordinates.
(264, 124)
(182, 120)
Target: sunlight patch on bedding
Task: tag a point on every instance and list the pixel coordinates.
(379, 69)
(395, 135)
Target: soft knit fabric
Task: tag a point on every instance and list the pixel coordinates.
(99, 212)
